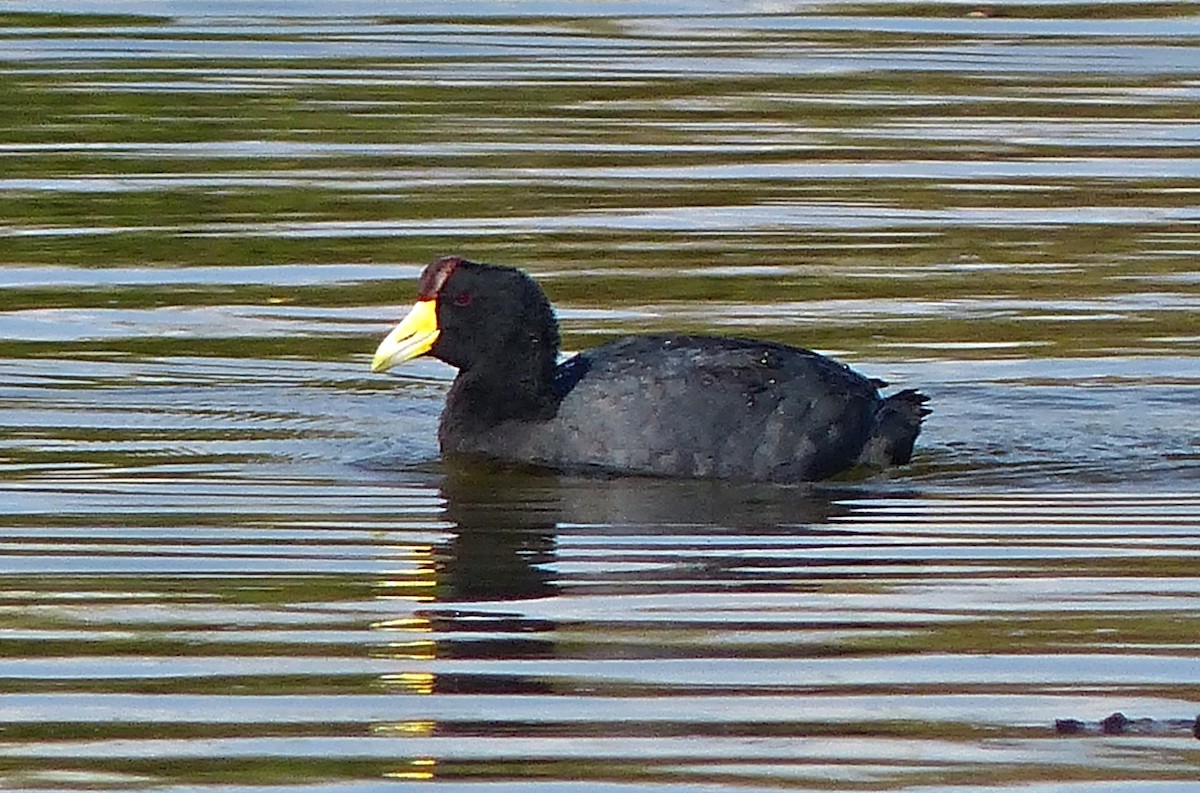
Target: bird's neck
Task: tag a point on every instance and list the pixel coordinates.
(518, 388)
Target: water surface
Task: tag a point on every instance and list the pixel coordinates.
(230, 553)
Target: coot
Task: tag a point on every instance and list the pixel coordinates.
(670, 405)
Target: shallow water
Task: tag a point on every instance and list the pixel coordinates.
(231, 556)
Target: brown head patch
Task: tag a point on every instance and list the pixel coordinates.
(434, 277)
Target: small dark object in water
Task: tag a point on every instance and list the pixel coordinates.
(1120, 724)
(682, 406)
(1069, 726)
(1116, 724)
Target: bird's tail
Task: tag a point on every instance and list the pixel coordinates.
(897, 424)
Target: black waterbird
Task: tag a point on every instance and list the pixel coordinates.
(669, 405)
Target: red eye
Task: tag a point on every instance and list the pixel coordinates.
(463, 299)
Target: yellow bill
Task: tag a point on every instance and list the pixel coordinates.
(414, 336)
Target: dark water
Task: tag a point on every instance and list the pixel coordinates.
(231, 557)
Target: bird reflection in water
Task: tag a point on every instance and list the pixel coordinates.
(500, 551)
(507, 532)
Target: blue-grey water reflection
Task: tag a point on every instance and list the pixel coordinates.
(231, 556)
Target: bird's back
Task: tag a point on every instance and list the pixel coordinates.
(693, 406)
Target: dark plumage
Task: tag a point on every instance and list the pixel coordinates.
(684, 406)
